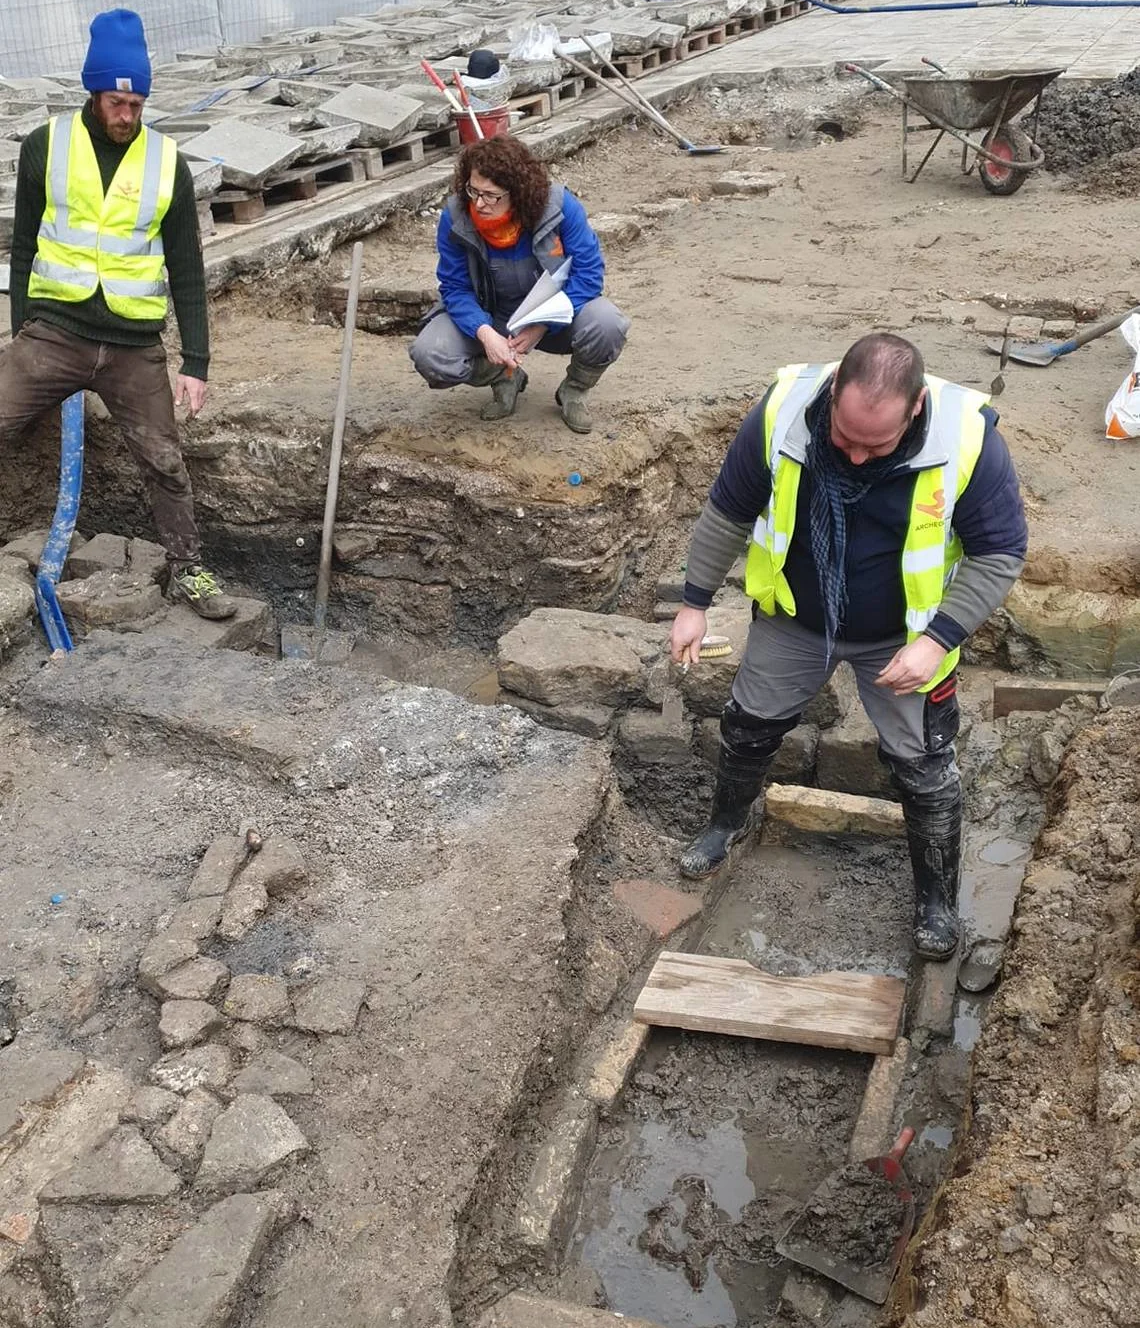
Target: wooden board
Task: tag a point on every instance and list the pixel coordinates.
(851, 1011)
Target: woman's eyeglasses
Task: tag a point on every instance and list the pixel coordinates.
(485, 196)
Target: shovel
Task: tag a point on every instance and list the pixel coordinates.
(1042, 353)
(317, 642)
(855, 1227)
(635, 99)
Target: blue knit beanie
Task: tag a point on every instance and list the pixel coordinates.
(117, 59)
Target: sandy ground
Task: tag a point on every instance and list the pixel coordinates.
(730, 287)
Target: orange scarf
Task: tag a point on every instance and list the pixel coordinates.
(499, 232)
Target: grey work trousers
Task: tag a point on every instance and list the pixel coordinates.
(444, 356)
(44, 364)
(785, 665)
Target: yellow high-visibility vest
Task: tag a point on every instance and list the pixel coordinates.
(931, 551)
(89, 238)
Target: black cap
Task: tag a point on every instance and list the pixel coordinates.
(482, 64)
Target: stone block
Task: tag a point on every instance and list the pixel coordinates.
(104, 553)
(199, 980)
(932, 998)
(244, 903)
(522, 1310)
(873, 1133)
(615, 229)
(30, 1075)
(569, 656)
(613, 1068)
(124, 1169)
(435, 112)
(384, 117)
(108, 599)
(248, 153)
(632, 33)
(692, 14)
(278, 866)
(161, 955)
(330, 1005)
(28, 547)
(835, 700)
(250, 1139)
(146, 558)
(274, 1075)
(591, 721)
(210, 1066)
(260, 998)
(847, 757)
(653, 738)
(219, 866)
(658, 907)
(827, 812)
(244, 631)
(150, 1107)
(1081, 632)
(352, 545)
(1023, 327)
(667, 207)
(186, 1023)
(1059, 329)
(550, 1198)
(756, 184)
(603, 972)
(181, 1140)
(197, 1282)
(795, 761)
(196, 919)
(207, 177)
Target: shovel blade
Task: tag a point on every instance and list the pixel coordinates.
(1037, 353)
(703, 150)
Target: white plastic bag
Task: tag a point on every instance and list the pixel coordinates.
(1122, 414)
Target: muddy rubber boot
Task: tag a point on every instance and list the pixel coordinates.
(572, 392)
(934, 836)
(748, 746)
(505, 393)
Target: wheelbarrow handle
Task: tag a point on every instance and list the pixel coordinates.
(902, 1143)
(878, 82)
(926, 60)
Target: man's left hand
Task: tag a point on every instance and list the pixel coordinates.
(522, 343)
(191, 392)
(912, 666)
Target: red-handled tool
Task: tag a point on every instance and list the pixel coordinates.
(466, 100)
(855, 1227)
(442, 86)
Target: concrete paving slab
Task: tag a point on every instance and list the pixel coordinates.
(248, 153)
(384, 117)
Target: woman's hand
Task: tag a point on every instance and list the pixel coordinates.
(522, 343)
(496, 347)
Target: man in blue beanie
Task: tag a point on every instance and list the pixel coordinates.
(105, 219)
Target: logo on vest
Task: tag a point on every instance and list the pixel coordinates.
(127, 189)
(936, 509)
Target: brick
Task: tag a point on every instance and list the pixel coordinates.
(658, 907)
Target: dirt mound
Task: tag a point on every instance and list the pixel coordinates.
(1088, 125)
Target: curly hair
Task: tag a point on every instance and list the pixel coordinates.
(507, 163)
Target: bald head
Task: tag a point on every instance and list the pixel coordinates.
(877, 391)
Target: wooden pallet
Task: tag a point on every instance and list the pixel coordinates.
(304, 183)
(570, 89)
(633, 66)
(534, 106)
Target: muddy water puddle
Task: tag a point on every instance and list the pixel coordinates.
(720, 1143)
(721, 1140)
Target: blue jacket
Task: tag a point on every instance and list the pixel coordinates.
(989, 519)
(462, 268)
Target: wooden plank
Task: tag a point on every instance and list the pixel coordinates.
(1040, 694)
(851, 1011)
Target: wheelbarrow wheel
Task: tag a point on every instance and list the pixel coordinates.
(1012, 144)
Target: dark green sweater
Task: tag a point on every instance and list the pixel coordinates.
(91, 318)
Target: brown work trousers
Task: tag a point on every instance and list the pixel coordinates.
(44, 364)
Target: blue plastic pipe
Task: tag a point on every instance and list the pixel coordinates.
(58, 543)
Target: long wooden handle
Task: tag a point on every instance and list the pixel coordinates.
(641, 98)
(632, 101)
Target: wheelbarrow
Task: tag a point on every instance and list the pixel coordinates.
(978, 111)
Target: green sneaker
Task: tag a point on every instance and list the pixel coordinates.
(200, 589)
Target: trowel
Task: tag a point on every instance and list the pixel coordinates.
(802, 1242)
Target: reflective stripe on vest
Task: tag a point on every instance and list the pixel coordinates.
(942, 468)
(89, 238)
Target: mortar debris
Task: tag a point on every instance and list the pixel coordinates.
(855, 1216)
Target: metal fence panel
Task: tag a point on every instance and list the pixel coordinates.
(44, 37)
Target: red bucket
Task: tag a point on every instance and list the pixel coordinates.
(493, 123)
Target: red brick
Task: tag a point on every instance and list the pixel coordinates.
(656, 906)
